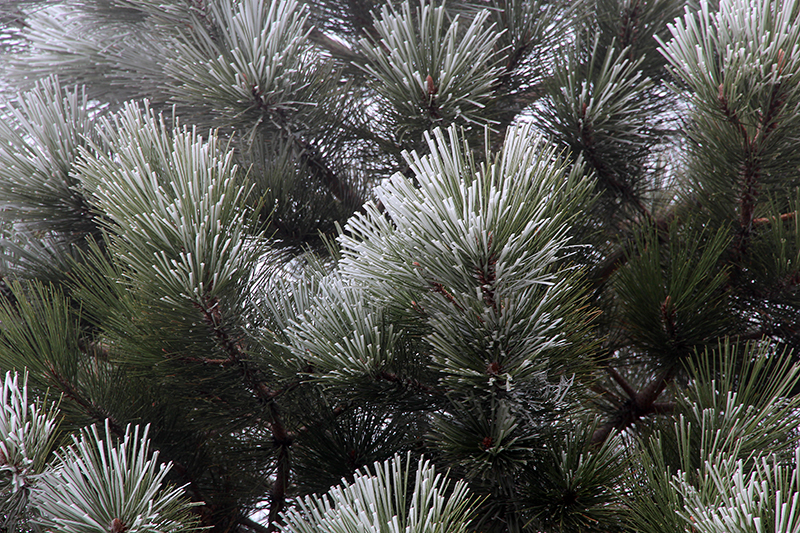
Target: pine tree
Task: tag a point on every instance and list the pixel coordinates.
(513, 266)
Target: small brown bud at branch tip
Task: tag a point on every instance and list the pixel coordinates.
(431, 87)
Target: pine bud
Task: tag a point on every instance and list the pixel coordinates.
(431, 87)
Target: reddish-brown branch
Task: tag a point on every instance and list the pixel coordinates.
(614, 262)
(605, 174)
(668, 317)
(336, 47)
(283, 442)
(439, 288)
(406, 382)
(204, 511)
(629, 29)
(514, 60)
(212, 317)
(649, 394)
(663, 408)
(750, 173)
(94, 412)
(622, 382)
(640, 405)
(339, 188)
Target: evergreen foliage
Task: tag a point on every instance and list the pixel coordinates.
(380, 502)
(315, 254)
(93, 485)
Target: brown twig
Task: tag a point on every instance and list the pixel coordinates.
(406, 382)
(212, 317)
(96, 413)
(622, 382)
(751, 169)
(283, 442)
(587, 139)
(638, 406)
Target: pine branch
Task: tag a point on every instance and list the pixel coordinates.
(283, 441)
(604, 173)
(505, 80)
(639, 405)
(212, 317)
(750, 173)
(622, 382)
(338, 187)
(281, 438)
(629, 26)
(336, 184)
(203, 511)
(649, 394)
(385, 498)
(98, 414)
(337, 48)
(620, 256)
(102, 483)
(664, 408)
(405, 382)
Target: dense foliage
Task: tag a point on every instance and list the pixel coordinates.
(270, 265)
